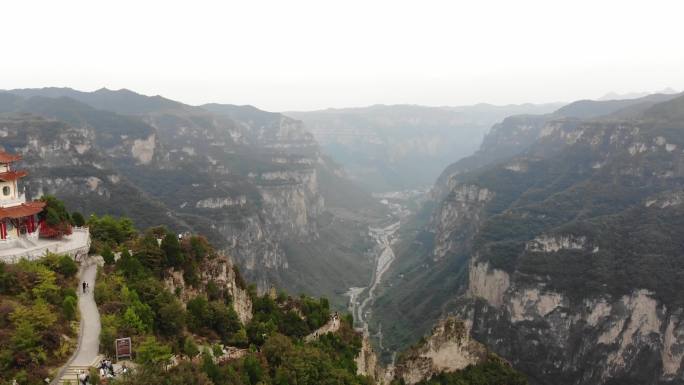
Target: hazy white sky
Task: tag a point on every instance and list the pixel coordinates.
(288, 54)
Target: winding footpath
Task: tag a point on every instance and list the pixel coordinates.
(88, 346)
(331, 326)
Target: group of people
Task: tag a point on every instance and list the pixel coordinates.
(86, 286)
(83, 377)
(106, 368)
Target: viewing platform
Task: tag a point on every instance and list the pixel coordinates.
(32, 247)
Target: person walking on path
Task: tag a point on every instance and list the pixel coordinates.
(85, 285)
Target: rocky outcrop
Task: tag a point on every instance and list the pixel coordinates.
(457, 218)
(603, 338)
(490, 284)
(447, 349)
(367, 364)
(291, 201)
(550, 244)
(666, 200)
(143, 149)
(222, 272)
(219, 203)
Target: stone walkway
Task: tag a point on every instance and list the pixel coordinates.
(90, 320)
(89, 335)
(330, 327)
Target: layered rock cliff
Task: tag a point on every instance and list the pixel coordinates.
(248, 179)
(570, 267)
(633, 338)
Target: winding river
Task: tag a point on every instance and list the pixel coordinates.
(361, 297)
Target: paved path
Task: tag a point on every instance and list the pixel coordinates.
(90, 319)
(89, 333)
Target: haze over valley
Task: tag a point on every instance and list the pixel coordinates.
(357, 193)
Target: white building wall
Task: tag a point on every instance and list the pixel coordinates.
(13, 191)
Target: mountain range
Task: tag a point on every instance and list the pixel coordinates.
(254, 182)
(558, 243)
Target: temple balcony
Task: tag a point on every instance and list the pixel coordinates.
(32, 247)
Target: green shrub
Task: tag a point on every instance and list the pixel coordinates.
(77, 219)
(190, 348)
(107, 255)
(153, 353)
(69, 308)
(172, 250)
(67, 266)
(110, 230)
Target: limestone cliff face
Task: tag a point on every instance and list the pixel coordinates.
(367, 364)
(510, 137)
(565, 258)
(565, 341)
(67, 162)
(260, 184)
(596, 338)
(291, 201)
(447, 349)
(250, 180)
(458, 218)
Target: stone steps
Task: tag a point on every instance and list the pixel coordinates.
(71, 373)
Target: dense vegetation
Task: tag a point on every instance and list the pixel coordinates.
(193, 323)
(56, 219)
(493, 372)
(191, 335)
(37, 317)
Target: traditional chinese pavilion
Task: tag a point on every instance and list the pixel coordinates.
(17, 217)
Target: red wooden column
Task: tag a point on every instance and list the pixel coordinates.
(3, 230)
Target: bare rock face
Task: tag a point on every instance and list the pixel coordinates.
(549, 244)
(222, 202)
(447, 349)
(222, 272)
(602, 337)
(458, 217)
(143, 149)
(490, 284)
(367, 364)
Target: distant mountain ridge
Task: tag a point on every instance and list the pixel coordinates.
(394, 147)
(635, 95)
